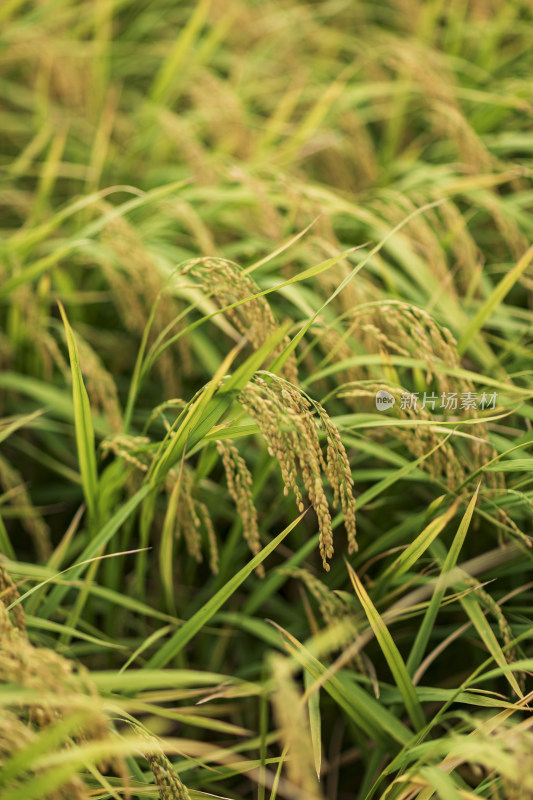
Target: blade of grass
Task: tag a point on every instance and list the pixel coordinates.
(424, 632)
(418, 547)
(493, 301)
(390, 651)
(12, 425)
(83, 424)
(365, 711)
(174, 65)
(479, 620)
(315, 723)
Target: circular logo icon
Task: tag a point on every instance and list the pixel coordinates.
(384, 400)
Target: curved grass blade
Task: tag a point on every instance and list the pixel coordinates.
(418, 547)
(494, 300)
(365, 711)
(424, 632)
(391, 653)
(83, 423)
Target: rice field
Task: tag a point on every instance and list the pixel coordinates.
(266, 381)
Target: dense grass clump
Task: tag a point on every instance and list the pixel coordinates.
(266, 399)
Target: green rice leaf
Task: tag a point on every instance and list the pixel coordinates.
(83, 423)
(391, 653)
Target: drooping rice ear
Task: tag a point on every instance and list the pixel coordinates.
(240, 487)
(285, 418)
(227, 284)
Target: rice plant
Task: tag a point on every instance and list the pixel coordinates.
(266, 400)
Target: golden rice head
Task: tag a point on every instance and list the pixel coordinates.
(8, 595)
(394, 327)
(286, 419)
(226, 283)
(167, 779)
(436, 346)
(59, 686)
(133, 449)
(334, 611)
(205, 516)
(446, 462)
(330, 605)
(239, 481)
(187, 522)
(193, 517)
(418, 439)
(16, 736)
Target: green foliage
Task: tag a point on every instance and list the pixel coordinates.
(225, 227)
